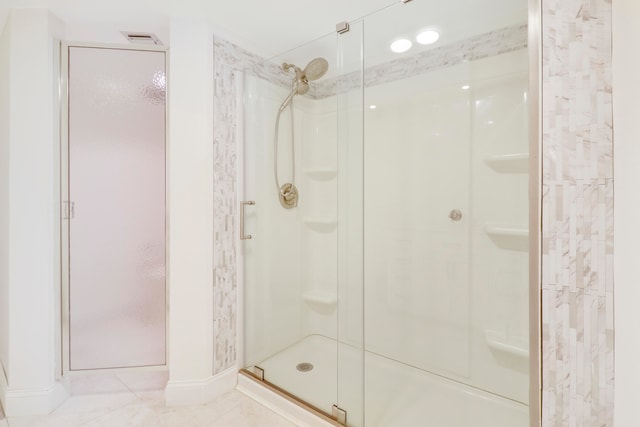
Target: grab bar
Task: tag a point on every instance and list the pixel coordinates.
(242, 205)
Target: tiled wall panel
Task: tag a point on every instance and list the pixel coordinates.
(230, 62)
(577, 204)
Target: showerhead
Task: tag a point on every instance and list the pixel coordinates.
(315, 69)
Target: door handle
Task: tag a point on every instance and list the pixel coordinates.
(69, 209)
(242, 205)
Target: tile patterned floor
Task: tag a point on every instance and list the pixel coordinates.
(137, 400)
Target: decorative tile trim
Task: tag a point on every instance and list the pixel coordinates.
(577, 211)
(239, 59)
(230, 60)
(482, 46)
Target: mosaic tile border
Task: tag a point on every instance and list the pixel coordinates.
(229, 62)
(577, 204)
(482, 46)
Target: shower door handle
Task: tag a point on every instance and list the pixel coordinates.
(242, 205)
(69, 209)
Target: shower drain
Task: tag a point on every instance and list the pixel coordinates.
(304, 367)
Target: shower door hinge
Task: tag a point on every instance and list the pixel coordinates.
(342, 27)
(339, 414)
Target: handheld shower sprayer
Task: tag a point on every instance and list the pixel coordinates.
(315, 69)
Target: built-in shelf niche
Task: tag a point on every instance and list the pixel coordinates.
(509, 163)
(514, 346)
(321, 298)
(514, 238)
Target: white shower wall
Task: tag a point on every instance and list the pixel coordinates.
(291, 263)
(447, 296)
(272, 257)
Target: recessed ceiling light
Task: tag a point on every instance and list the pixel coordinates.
(373, 107)
(428, 37)
(401, 45)
(465, 87)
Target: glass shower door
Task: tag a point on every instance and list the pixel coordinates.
(116, 208)
(290, 261)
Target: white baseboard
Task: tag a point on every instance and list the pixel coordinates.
(280, 405)
(181, 393)
(18, 403)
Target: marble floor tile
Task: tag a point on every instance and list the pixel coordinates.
(144, 381)
(96, 384)
(55, 420)
(95, 402)
(249, 413)
(135, 414)
(148, 409)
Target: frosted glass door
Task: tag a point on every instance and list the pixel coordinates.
(116, 208)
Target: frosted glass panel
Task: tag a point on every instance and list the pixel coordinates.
(117, 209)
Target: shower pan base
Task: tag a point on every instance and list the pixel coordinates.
(396, 395)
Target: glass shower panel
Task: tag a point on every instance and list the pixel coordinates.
(117, 208)
(445, 216)
(290, 263)
(349, 92)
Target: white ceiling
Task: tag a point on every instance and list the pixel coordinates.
(269, 27)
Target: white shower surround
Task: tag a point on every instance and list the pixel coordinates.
(316, 338)
(498, 84)
(230, 62)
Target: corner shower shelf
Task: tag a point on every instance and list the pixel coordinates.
(321, 174)
(324, 298)
(506, 231)
(498, 342)
(508, 237)
(509, 163)
(321, 224)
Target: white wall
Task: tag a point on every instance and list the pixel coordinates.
(4, 196)
(29, 284)
(31, 213)
(626, 109)
(190, 194)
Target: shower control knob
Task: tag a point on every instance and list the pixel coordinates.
(455, 215)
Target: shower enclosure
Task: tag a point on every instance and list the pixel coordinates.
(396, 290)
